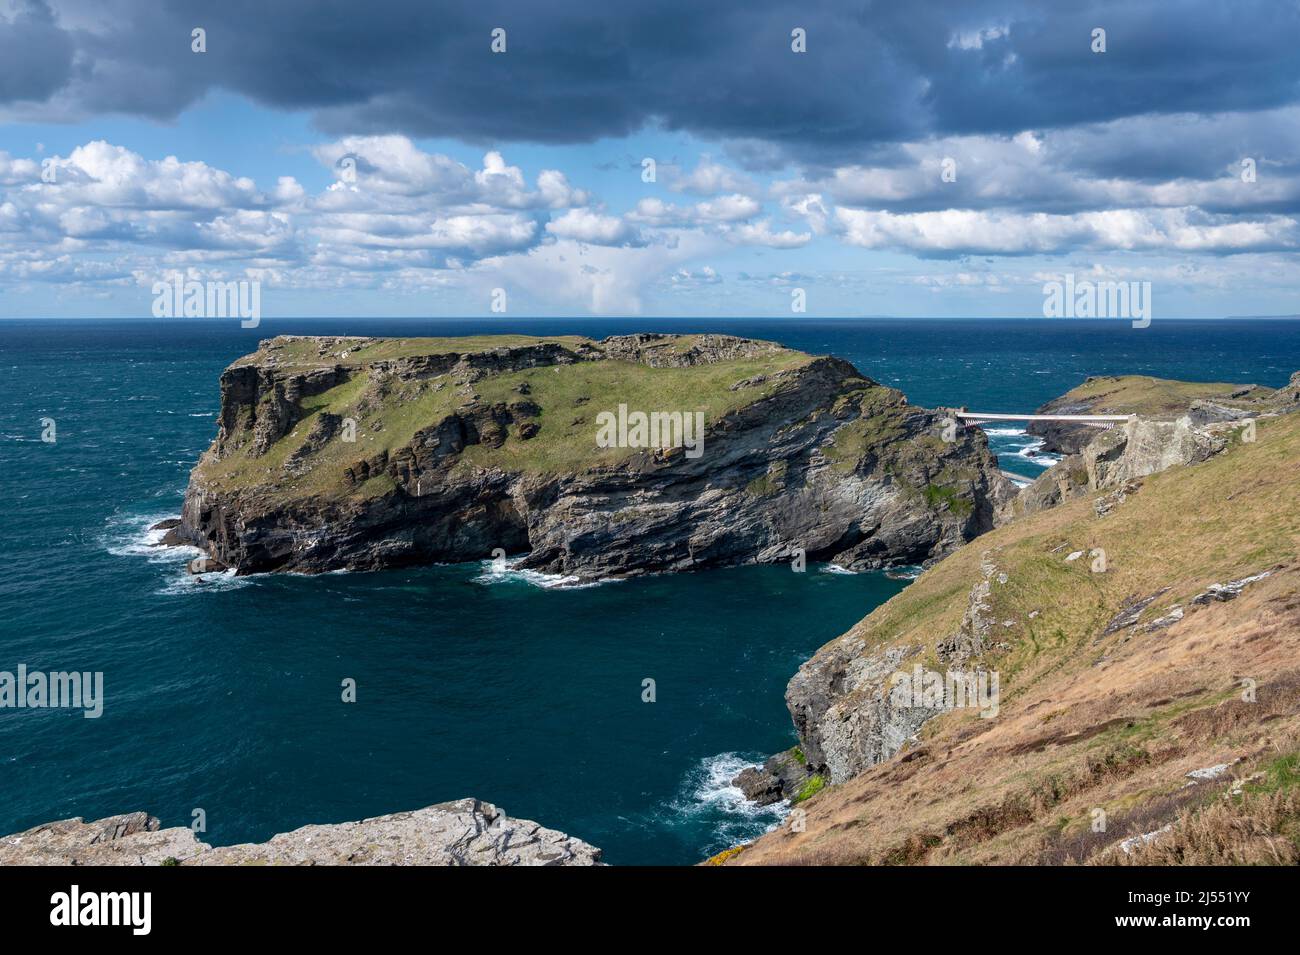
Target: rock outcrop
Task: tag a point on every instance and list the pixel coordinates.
(464, 832)
(1154, 398)
(1123, 455)
(842, 711)
(840, 701)
(370, 453)
(1177, 425)
(781, 777)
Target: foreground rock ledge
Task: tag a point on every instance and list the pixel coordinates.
(463, 832)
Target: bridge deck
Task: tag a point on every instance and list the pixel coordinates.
(991, 416)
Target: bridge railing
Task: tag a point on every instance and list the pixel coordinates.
(974, 416)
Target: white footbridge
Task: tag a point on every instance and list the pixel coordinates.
(1091, 420)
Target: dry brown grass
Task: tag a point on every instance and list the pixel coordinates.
(1256, 829)
(1113, 723)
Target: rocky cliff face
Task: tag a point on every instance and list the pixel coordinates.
(840, 700)
(1110, 682)
(1153, 398)
(369, 453)
(1120, 457)
(1117, 679)
(464, 832)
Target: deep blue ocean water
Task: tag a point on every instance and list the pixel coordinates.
(226, 696)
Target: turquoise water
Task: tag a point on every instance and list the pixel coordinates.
(226, 696)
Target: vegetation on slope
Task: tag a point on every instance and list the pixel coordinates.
(1150, 397)
(1108, 700)
(305, 352)
(565, 400)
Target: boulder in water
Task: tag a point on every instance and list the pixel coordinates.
(205, 565)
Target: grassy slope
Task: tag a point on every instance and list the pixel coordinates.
(570, 397)
(1140, 394)
(305, 351)
(1146, 708)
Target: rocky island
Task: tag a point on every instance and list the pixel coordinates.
(366, 453)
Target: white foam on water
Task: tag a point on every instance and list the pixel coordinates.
(1019, 443)
(707, 799)
(186, 584)
(906, 572)
(132, 536)
(1032, 453)
(708, 789)
(493, 573)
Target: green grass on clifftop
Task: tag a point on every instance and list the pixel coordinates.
(390, 412)
(1143, 395)
(306, 351)
(1163, 536)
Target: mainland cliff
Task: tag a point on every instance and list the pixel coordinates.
(366, 453)
(1174, 424)
(1152, 398)
(1110, 676)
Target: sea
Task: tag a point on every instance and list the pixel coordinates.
(224, 702)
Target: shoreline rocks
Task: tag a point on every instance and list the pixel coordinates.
(781, 777)
(205, 565)
(462, 832)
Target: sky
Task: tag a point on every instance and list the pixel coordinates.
(670, 158)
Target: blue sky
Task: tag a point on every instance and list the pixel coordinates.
(931, 159)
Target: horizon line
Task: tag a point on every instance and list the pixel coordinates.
(633, 318)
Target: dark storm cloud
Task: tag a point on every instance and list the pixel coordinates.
(1183, 146)
(576, 71)
(1165, 57)
(35, 55)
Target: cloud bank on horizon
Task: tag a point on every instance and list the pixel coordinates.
(924, 158)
